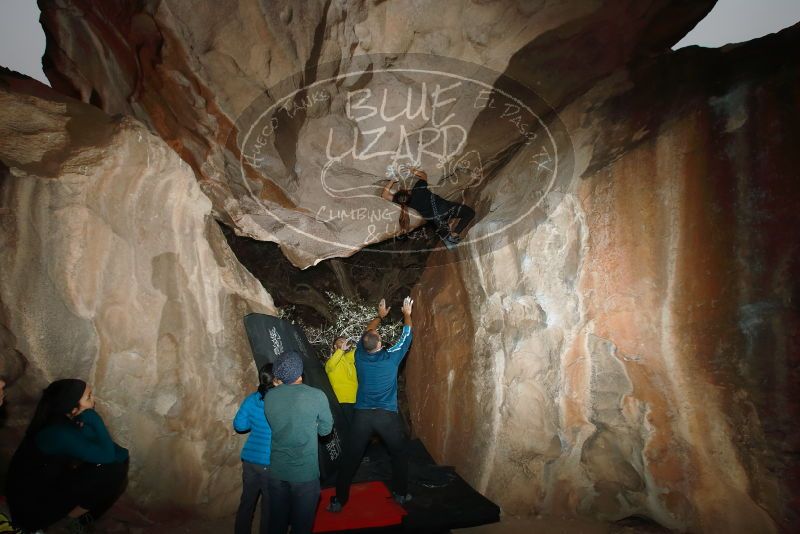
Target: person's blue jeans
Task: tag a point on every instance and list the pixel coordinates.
(255, 479)
(292, 503)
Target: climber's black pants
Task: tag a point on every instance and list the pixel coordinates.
(453, 210)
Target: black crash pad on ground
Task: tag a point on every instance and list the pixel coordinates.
(441, 500)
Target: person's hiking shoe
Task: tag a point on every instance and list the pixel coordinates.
(451, 241)
(334, 506)
(401, 499)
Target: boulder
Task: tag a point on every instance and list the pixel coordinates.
(114, 271)
(210, 80)
(634, 353)
(617, 337)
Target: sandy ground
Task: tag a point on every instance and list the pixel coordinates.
(508, 525)
(514, 525)
(124, 519)
(568, 525)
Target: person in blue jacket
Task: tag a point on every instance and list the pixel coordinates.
(255, 454)
(67, 463)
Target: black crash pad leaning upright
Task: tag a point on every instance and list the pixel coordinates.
(269, 336)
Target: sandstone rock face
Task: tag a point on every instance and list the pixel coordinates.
(200, 76)
(113, 270)
(636, 352)
(632, 348)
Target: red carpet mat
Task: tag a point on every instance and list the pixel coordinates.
(370, 506)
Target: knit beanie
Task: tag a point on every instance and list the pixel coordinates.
(288, 366)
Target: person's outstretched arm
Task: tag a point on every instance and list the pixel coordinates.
(408, 303)
(419, 173)
(400, 348)
(386, 194)
(383, 311)
(340, 347)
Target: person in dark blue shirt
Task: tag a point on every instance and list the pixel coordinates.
(67, 463)
(450, 218)
(376, 407)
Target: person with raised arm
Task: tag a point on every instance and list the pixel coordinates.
(450, 218)
(376, 407)
(341, 370)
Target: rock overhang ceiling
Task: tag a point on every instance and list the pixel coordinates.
(207, 90)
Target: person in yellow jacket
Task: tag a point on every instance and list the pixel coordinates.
(341, 370)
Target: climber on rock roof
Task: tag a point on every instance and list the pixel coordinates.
(450, 218)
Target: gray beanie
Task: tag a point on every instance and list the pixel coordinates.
(288, 366)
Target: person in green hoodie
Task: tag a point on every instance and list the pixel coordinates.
(67, 463)
(297, 414)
